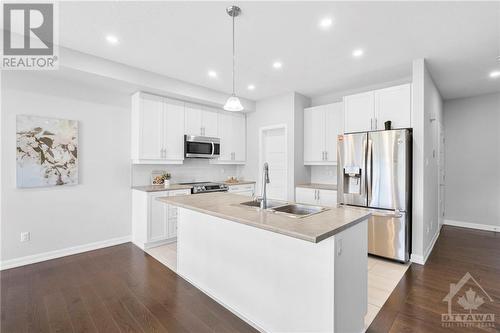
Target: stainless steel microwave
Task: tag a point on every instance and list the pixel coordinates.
(201, 147)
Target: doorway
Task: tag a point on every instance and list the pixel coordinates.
(273, 150)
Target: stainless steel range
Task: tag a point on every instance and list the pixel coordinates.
(203, 187)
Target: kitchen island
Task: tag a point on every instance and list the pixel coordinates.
(278, 273)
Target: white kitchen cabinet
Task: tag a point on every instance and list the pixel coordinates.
(193, 119)
(154, 222)
(173, 135)
(312, 196)
(370, 110)
(322, 125)
(210, 122)
(232, 133)
(393, 104)
(306, 196)
(242, 189)
(147, 126)
(359, 112)
(201, 120)
(157, 130)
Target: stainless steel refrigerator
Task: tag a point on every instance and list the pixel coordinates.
(374, 173)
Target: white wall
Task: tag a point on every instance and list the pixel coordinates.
(98, 208)
(426, 119)
(272, 111)
(472, 186)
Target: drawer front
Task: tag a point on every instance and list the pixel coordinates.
(239, 188)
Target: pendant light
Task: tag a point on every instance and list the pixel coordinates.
(233, 103)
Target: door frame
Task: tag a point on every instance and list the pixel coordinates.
(262, 130)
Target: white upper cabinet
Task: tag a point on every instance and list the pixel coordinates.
(369, 111)
(334, 121)
(322, 124)
(173, 134)
(314, 134)
(209, 122)
(201, 120)
(150, 128)
(393, 104)
(157, 130)
(193, 119)
(232, 133)
(359, 112)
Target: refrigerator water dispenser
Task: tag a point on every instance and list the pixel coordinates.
(352, 180)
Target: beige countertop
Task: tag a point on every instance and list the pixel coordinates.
(332, 187)
(159, 188)
(314, 228)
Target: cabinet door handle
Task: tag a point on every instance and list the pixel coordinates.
(326, 156)
(376, 123)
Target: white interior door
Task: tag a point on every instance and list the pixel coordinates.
(273, 151)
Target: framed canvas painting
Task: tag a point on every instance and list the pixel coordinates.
(47, 151)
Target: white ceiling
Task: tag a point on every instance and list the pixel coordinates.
(183, 40)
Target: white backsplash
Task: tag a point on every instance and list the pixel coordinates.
(324, 174)
(193, 170)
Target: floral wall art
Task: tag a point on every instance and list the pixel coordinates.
(47, 151)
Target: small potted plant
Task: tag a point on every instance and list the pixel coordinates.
(166, 179)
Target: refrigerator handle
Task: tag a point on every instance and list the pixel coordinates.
(369, 170)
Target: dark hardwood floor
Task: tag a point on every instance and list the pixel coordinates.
(417, 303)
(122, 289)
(117, 289)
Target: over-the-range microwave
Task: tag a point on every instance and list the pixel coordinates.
(201, 147)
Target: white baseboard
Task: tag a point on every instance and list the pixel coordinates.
(471, 225)
(12, 263)
(419, 259)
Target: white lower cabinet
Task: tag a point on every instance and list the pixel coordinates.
(243, 189)
(312, 196)
(153, 222)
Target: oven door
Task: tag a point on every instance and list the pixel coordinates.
(201, 147)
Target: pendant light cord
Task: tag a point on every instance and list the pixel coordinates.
(234, 57)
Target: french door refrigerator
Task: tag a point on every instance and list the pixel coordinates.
(374, 173)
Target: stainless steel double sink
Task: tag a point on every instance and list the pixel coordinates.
(290, 209)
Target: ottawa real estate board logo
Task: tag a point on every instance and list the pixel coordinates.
(467, 301)
(30, 36)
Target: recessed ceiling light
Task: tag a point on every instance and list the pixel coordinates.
(251, 87)
(357, 53)
(495, 74)
(112, 39)
(325, 23)
(212, 74)
(277, 65)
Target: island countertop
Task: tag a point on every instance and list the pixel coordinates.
(314, 228)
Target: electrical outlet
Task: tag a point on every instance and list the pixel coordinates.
(25, 236)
